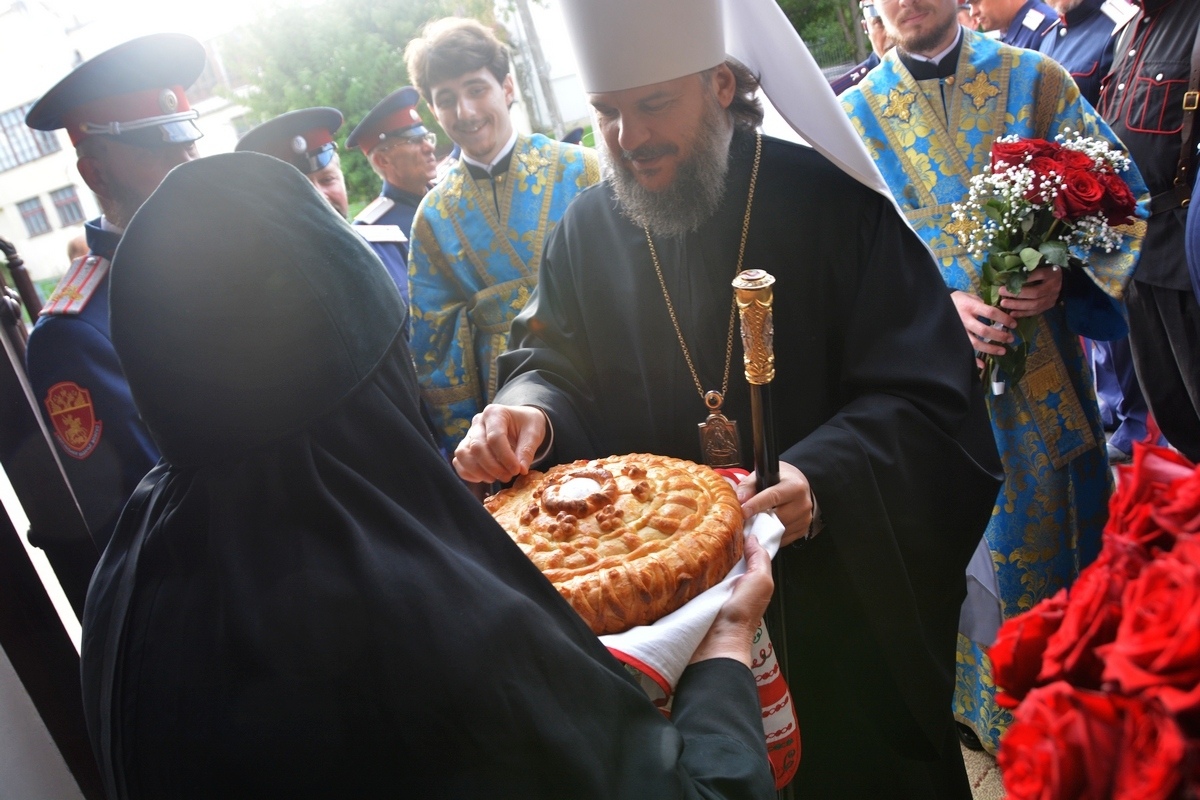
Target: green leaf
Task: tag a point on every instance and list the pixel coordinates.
(1055, 252)
(1014, 282)
(990, 294)
(1012, 261)
(1027, 223)
(995, 210)
(989, 273)
(1030, 258)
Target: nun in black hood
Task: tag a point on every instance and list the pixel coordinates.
(302, 599)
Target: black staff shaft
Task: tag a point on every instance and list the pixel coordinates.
(766, 453)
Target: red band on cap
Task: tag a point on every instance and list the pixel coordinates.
(404, 118)
(317, 138)
(130, 107)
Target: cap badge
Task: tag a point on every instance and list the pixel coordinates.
(299, 145)
(168, 102)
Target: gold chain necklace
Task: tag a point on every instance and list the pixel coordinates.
(718, 434)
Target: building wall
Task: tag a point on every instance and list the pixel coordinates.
(47, 47)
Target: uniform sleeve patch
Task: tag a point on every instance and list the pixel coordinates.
(73, 418)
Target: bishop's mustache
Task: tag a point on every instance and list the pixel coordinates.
(649, 151)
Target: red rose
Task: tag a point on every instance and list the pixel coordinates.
(1157, 645)
(1178, 509)
(1015, 153)
(1063, 744)
(1091, 618)
(1044, 169)
(1017, 653)
(1080, 195)
(1152, 753)
(1140, 486)
(1119, 203)
(1073, 159)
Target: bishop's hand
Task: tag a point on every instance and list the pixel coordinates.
(500, 444)
(791, 499)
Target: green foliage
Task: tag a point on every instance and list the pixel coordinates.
(830, 28)
(344, 54)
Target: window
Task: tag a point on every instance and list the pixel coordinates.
(34, 216)
(66, 202)
(20, 144)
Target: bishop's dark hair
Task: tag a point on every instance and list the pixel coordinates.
(746, 110)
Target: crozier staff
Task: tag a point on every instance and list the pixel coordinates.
(627, 333)
(303, 600)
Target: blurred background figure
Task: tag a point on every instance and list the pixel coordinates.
(880, 44)
(401, 151)
(304, 139)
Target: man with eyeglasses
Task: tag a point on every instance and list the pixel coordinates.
(401, 151)
(477, 237)
(128, 117)
(880, 44)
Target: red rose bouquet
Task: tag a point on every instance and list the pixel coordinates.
(1104, 679)
(1040, 203)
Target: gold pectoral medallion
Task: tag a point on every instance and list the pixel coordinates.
(719, 440)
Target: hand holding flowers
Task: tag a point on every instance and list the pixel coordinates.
(1039, 205)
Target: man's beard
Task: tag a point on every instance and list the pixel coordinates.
(699, 184)
(924, 43)
(120, 208)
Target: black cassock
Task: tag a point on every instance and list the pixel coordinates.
(875, 401)
(303, 600)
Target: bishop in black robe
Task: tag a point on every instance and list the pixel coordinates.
(302, 599)
(876, 402)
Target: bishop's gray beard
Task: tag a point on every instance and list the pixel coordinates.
(693, 197)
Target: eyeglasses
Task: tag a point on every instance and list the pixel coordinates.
(869, 11)
(428, 138)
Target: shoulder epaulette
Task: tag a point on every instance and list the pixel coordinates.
(1033, 19)
(371, 214)
(76, 288)
(381, 233)
(1118, 12)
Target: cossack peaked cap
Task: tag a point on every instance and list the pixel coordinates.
(302, 138)
(134, 92)
(394, 115)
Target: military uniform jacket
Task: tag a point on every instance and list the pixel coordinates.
(1143, 101)
(76, 377)
(855, 75)
(472, 265)
(392, 207)
(1030, 24)
(1080, 41)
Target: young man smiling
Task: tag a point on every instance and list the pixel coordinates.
(477, 236)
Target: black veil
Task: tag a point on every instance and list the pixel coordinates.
(302, 599)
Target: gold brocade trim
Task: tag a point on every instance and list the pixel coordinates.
(1049, 92)
(1046, 374)
(490, 307)
(543, 226)
(921, 195)
(447, 395)
(933, 215)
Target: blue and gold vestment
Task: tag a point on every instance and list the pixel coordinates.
(928, 138)
(473, 261)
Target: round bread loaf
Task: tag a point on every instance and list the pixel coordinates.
(625, 539)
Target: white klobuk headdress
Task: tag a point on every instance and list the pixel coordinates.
(622, 44)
